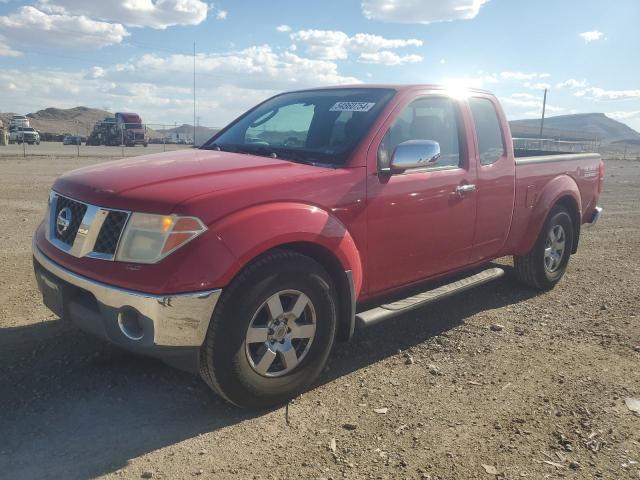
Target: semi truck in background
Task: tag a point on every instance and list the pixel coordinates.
(123, 129)
(18, 121)
(131, 128)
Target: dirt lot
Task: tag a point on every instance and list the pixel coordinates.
(543, 397)
(57, 149)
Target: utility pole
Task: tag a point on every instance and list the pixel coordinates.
(194, 94)
(544, 107)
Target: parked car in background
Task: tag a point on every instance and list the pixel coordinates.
(24, 135)
(72, 140)
(315, 213)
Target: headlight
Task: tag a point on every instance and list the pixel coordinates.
(149, 238)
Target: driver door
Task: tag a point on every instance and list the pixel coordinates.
(419, 222)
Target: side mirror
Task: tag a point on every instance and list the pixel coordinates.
(414, 154)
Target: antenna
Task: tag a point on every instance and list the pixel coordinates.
(194, 94)
(544, 107)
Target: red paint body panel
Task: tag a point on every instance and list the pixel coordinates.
(548, 182)
(389, 231)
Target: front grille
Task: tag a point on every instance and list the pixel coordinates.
(77, 214)
(110, 232)
(101, 228)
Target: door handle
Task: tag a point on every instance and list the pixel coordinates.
(468, 188)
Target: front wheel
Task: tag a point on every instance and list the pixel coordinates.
(272, 331)
(547, 261)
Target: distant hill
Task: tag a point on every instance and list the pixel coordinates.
(59, 121)
(81, 120)
(582, 126)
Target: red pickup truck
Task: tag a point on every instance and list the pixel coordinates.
(314, 213)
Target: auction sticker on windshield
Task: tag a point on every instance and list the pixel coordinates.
(352, 107)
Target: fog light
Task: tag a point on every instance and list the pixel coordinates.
(129, 323)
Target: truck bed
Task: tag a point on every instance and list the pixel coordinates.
(534, 175)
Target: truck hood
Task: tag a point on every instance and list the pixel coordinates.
(158, 183)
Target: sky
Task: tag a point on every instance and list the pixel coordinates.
(137, 55)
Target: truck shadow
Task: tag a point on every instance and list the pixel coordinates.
(74, 407)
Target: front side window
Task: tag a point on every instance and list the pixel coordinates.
(488, 131)
(320, 126)
(428, 118)
(286, 127)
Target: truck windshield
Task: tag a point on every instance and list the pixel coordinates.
(314, 126)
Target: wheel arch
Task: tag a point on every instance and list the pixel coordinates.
(305, 229)
(571, 206)
(342, 280)
(562, 190)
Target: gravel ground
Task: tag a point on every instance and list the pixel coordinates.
(57, 149)
(503, 382)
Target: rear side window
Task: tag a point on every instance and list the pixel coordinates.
(488, 131)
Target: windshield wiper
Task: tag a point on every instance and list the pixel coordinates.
(219, 148)
(298, 157)
(258, 150)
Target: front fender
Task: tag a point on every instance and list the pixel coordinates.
(558, 188)
(251, 232)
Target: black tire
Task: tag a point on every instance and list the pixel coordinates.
(224, 360)
(531, 269)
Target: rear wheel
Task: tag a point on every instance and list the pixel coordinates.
(547, 261)
(272, 331)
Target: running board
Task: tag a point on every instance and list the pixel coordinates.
(391, 310)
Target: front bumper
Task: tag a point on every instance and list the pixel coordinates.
(136, 321)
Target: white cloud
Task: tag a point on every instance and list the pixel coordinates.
(157, 104)
(30, 26)
(598, 93)
(479, 81)
(572, 83)
(591, 36)
(326, 44)
(97, 72)
(624, 115)
(519, 104)
(253, 67)
(523, 76)
(283, 28)
(159, 87)
(222, 15)
(525, 96)
(336, 45)
(385, 57)
(536, 85)
(135, 13)
(421, 11)
(6, 50)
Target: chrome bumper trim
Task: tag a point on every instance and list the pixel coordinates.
(179, 320)
(597, 213)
